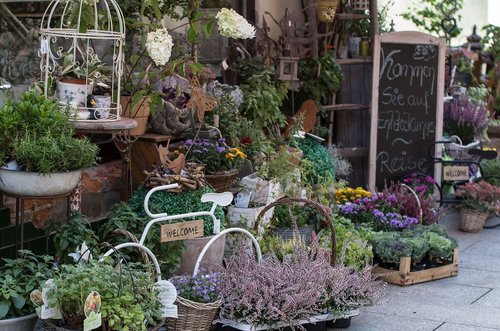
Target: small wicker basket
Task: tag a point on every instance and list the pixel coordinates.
(221, 181)
(472, 220)
(360, 4)
(192, 316)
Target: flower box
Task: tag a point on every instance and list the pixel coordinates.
(404, 276)
(314, 323)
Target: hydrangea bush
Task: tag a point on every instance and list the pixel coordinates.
(159, 46)
(233, 25)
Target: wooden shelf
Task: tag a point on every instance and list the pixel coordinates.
(158, 138)
(349, 16)
(345, 106)
(366, 59)
(353, 152)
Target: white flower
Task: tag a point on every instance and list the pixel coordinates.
(233, 25)
(159, 46)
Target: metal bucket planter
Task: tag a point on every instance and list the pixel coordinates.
(19, 323)
(34, 184)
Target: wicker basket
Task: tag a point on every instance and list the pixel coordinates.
(326, 10)
(221, 181)
(314, 204)
(192, 316)
(472, 220)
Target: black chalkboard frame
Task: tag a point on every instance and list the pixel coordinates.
(405, 38)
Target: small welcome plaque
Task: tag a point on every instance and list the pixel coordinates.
(452, 173)
(181, 231)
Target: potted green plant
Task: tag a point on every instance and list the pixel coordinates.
(478, 201)
(18, 278)
(79, 77)
(40, 156)
(129, 299)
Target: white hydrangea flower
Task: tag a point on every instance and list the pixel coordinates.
(159, 46)
(233, 25)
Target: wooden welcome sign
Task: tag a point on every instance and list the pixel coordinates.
(407, 106)
(181, 231)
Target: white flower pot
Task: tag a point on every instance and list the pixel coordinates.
(245, 217)
(263, 192)
(73, 92)
(34, 184)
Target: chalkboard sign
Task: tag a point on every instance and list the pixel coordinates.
(407, 105)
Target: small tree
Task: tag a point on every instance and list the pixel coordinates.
(438, 17)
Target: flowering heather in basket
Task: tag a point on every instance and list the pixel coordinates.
(465, 119)
(202, 288)
(214, 153)
(481, 196)
(274, 291)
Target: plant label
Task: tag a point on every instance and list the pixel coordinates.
(92, 311)
(36, 298)
(44, 46)
(453, 173)
(167, 297)
(49, 309)
(181, 231)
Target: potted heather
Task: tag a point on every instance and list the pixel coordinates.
(466, 120)
(478, 201)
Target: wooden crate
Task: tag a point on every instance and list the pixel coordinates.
(406, 277)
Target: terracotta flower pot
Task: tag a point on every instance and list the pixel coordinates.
(140, 113)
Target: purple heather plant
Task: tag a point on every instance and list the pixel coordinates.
(202, 288)
(274, 292)
(465, 118)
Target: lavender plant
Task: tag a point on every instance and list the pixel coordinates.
(202, 287)
(465, 119)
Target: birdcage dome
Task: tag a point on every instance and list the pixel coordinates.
(81, 53)
(101, 19)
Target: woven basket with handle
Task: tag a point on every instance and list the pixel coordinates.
(472, 220)
(317, 206)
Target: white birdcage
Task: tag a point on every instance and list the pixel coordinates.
(360, 4)
(84, 39)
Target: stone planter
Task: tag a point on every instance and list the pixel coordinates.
(34, 184)
(19, 323)
(245, 217)
(263, 191)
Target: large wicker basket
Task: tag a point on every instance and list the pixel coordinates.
(192, 316)
(221, 181)
(472, 220)
(317, 206)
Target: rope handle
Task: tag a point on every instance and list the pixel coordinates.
(308, 202)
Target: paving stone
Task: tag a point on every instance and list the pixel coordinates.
(383, 322)
(490, 299)
(461, 327)
(478, 278)
(478, 262)
(487, 248)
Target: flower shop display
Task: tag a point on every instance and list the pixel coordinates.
(221, 162)
(419, 254)
(18, 277)
(478, 201)
(38, 138)
(197, 301)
